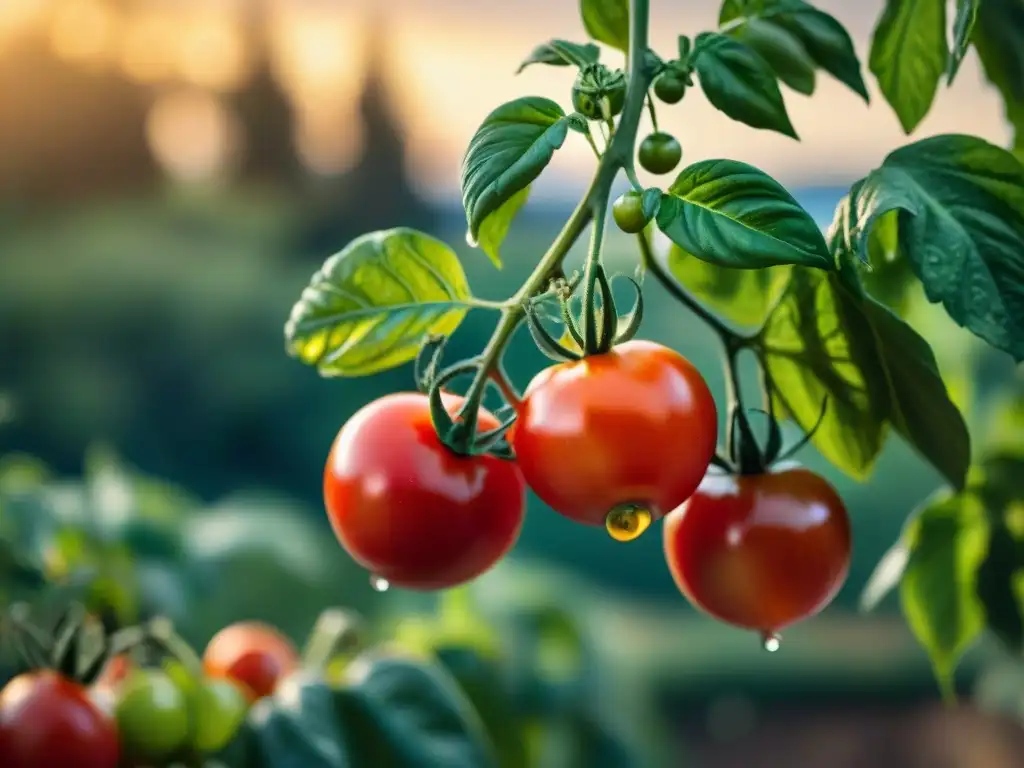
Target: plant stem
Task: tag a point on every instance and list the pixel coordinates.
(590, 276)
(593, 144)
(653, 111)
(617, 156)
(726, 334)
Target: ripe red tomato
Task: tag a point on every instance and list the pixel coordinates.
(636, 426)
(253, 654)
(760, 551)
(47, 720)
(410, 510)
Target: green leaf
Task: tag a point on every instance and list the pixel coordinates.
(480, 678)
(562, 53)
(732, 214)
(999, 483)
(744, 296)
(509, 150)
(886, 577)
(738, 82)
(782, 50)
(961, 227)
(963, 27)
(496, 226)
(607, 21)
(825, 40)
(946, 541)
(998, 38)
(829, 339)
(371, 305)
(403, 712)
(299, 727)
(909, 55)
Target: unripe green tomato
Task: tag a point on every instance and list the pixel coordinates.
(670, 88)
(628, 212)
(660, 153)
(593, 85)
(219, 707)
(152, 715)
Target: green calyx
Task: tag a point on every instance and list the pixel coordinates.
(458, 431)
(599, 93)
(598, 328)
(746, 456)
(78, 647)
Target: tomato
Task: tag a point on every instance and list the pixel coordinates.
(410, 510)
(670, 88)
(218, 709)
(593, 84)
(253, 654)
(760, 551)
(47, 720)
(633, 428)
(628, 212)
(152, 715)
(660, 153)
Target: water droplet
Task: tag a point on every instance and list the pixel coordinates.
(380, 584)
(628, 522)
(471, 241)
(771, 642)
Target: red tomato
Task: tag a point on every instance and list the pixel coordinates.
(760, 551)
(47, 721)
(636, 426)
(411, 511)
(253, 654)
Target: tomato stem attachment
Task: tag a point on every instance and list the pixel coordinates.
(160, 631)
(617, 156)
(653, 111)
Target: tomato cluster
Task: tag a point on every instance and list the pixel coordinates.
(620, 439)
(141, 715)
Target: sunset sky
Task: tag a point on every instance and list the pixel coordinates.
(449, 62)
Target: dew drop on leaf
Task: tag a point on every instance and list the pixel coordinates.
(380, 584)
(628, 522)
(771, 642)
(471, 241)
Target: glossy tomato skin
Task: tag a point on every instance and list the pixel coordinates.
(411, 511)
(253, 654)
(637, 425)
(47, 720)
(760, 551)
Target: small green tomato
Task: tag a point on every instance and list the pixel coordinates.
(218, 708)
(670, 87)
(660, 153)
(628, 212)
(152, 715)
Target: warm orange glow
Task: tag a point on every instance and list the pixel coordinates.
(316, 51)
(19, 16)
(212, 53)
(147, 47)
(192, 135)
(84, 31)
(329, 141)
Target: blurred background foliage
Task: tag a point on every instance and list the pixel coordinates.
(148, 260)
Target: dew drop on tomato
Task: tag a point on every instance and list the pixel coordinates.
(771, 642)
(379, 583)
(628, 522)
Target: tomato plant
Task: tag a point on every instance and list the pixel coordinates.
(760, 551)
(253, 654)
(619, 425)
(410, 510)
